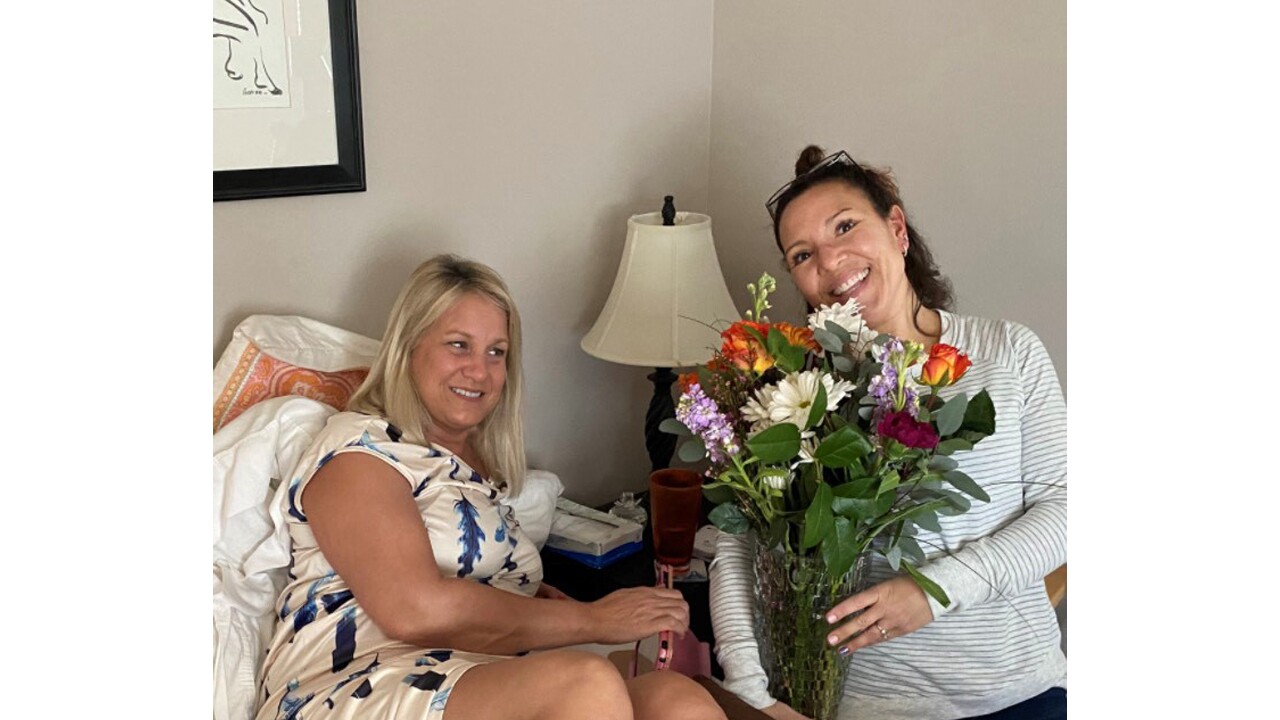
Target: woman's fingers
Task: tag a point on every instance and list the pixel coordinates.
(854, 603)
(635, 613)
(898, 607)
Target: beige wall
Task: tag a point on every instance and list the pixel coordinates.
(520, 134)
(523, 136)
(965, 100)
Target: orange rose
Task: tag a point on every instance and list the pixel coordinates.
(798, 336)
(687, 380)
(945, 366)
(743, 350)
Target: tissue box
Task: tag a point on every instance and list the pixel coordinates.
(586, 531)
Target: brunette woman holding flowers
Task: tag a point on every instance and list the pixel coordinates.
(994, 650)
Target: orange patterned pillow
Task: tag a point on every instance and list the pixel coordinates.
(273, 356)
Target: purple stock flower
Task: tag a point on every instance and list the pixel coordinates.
(700, 414)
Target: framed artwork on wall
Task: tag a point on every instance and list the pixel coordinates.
(286, 99)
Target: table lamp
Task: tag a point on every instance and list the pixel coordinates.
(667, 307)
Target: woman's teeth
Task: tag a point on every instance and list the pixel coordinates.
(467, 393)
(849, 284)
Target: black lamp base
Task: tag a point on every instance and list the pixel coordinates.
(660, 445)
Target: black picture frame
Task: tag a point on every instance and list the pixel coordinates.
(348, 175)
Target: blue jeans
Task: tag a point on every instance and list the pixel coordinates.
(1048, 705)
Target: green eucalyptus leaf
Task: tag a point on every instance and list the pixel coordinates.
(911, 549)
(842, 448)
(842, 363)
(966, 485)
(928, 585)
(818, 520)
(927, 520)
(942, 463)
(980, 416)
(952, 414)
(729, 518)
(894, 556)
(693, 450)
(839, 331)
(673, 426)
(775, 444)
(953, 445)
(819, 407)
(955, 501)
(828, 340)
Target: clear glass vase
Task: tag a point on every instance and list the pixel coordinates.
(793, 595)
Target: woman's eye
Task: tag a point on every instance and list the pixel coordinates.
(844, 226)
(799, 257)
(457, 344)
(498, 352)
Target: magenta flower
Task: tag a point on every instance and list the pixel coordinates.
(907, 430)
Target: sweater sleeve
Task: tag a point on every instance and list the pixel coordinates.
(732, 621)
(1034, 543)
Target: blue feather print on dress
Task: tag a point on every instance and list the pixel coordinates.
(453, 474)
(307, 612)
(344, 641)
(293, 500)
(333, 601)
(509, 564)
(429, 680)
(290, 705)
(433, 657)
(470, 538)
(437, 702)
(366, 441)
(350, 678)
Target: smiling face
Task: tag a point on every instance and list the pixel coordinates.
(459, 368)
(837, 247)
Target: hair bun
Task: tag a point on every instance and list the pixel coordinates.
(809, 157)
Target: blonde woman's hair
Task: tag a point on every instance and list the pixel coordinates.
(389, 390)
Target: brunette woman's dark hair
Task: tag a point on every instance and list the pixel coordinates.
(813, 167)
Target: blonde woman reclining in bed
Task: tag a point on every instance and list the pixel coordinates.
(412, 593)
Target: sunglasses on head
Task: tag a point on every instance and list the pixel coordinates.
(836, 158)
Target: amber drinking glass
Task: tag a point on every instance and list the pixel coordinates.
(675, 500)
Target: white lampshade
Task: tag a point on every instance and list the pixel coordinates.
(667, 293)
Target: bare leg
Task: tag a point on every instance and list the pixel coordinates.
(554, 685)
(666, 695)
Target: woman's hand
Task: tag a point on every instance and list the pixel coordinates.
(550, 593)
(633, 613)
(783, 711)
(890, 609)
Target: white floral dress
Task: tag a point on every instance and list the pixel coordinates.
(327, 659)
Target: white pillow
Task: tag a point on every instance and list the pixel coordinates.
(536, 504)
(274, 355)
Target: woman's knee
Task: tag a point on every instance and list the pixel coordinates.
(672, 696)
(587, 677)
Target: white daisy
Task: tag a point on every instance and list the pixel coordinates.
(795, 394)
(756, 411)
(848, 316)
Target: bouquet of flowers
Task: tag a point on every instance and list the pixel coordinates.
(828, 442)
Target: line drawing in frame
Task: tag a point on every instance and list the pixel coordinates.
(249, 54)
(325, 130)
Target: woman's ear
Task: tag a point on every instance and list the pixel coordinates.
(898, 223)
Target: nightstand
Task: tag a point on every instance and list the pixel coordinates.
(584, 583)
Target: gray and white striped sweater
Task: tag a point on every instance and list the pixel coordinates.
(998, 643)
